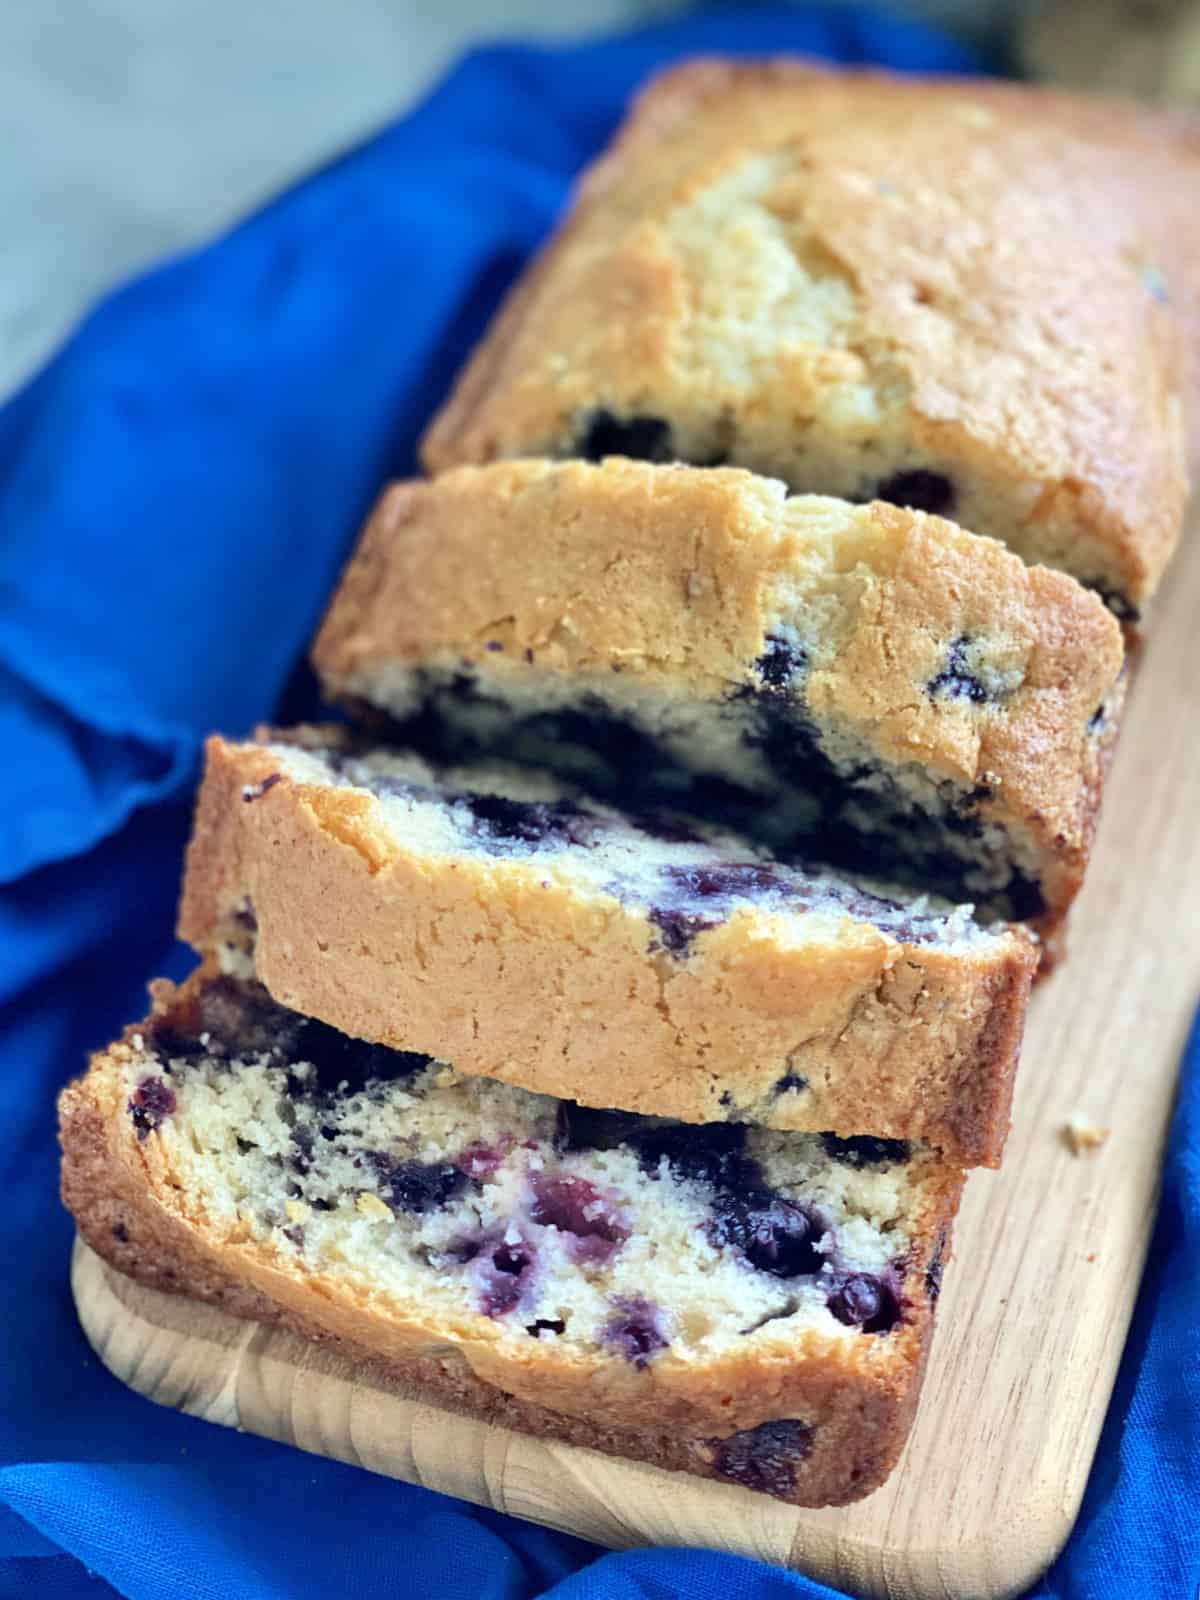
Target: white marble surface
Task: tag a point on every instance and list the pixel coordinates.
(132, 128)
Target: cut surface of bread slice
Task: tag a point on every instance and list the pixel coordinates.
(748, 1305)
(968, 298)
(864, 685)
(529, 934)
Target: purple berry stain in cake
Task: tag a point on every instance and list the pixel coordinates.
(576, 1207)
(765, 1458)
(780, 664)
(150, 1104)
(692, 899)
(636, 1331)
(956, 681)
(791, 1083)
(500, 821)
(481, 1160)
(504, 1269)
(920, 490)
(417, 1187)
(861, 1300)
(772, 1234)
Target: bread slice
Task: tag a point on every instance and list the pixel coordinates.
(504, 922)
(969, 298)
(870, 686)
(742, 1304)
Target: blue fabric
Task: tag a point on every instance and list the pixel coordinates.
(177, 491)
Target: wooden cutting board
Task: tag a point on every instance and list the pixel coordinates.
(1035, 1307)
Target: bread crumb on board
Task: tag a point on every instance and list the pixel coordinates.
(1080, 1134)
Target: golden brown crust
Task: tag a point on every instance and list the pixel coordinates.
(132, 1210)
(833, 276)
(629, 579)
(484, 962)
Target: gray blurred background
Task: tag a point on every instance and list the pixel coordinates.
(132, 128)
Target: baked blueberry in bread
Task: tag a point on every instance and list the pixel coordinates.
(965, 298)
(507, 923)
(748, 1305)
(869, 686)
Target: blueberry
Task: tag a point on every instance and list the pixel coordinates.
(636, 1331)
(737, 879)
(641, 437)
(862, 1301)
(791, 1083)
(576, 1207)
(696, 898)
(120, 1233)
(765, 1458)
(711, 1153)
(780, 663)
(956, 681)
(864, 1151)
(150, 1104)
(920, 490)
(497, 818)
(677, 929)
(417, 1187)
(774, 1235)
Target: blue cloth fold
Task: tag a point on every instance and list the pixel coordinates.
(177, 491)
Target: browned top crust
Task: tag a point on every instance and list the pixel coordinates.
(835, 277)
(654, 586)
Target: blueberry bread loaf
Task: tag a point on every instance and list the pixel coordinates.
(747, 1305)
(864, 684)
(504, 922)
(952, 296)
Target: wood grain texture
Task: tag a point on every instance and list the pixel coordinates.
(1048, 1254)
